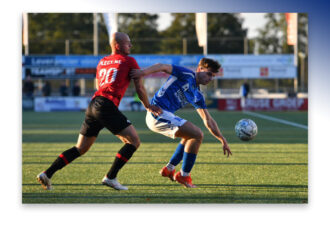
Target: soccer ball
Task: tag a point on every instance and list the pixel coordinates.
(246, 129)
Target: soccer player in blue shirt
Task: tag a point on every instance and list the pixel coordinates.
(181, 88)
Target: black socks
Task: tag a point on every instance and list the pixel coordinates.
(124, 154)
(62, 160)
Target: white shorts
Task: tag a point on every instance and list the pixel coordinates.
(167, 123)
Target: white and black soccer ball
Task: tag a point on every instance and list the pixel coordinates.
(246, 129)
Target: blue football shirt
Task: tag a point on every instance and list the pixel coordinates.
(179, 90)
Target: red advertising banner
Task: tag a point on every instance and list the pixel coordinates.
(266, 104)
(229, 104)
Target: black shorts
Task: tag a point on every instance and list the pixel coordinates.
(101, 112)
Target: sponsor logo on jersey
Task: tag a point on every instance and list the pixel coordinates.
(110, 62)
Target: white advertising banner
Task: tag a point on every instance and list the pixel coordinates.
(49, 104)
(254, 60)
(256, 66)
(240, 72)
(128, 104)
(52, 104)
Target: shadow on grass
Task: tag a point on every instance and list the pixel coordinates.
(197, 163)
(152, 138)
(124, 197)
(198, 185)
(164, 195)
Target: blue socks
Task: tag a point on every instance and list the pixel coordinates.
(177, 155)
(188, 162)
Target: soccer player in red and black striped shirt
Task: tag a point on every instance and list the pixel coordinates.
(112, 80)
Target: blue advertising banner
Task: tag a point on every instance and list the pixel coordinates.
(233, 66)
(61, 61)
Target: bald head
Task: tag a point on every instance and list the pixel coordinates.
(120, 43)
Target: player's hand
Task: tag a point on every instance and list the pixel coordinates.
(155, 110)
(136, 73)
(226, 149)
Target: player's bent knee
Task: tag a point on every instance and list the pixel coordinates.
(199, 135)
(82, 151)
(135, 140)
(137, 143)
(83, 148)
(84, 143)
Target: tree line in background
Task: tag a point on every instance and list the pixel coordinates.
(72, 33)
(48, 33)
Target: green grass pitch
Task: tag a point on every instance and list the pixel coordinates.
(273, 168)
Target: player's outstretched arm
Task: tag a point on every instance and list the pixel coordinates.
(213, 128)
(143, 96)
(137, 73)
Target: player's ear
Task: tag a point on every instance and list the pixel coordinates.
(117, 46)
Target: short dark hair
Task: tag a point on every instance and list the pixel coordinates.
(210, 63)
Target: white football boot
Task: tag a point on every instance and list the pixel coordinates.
(113, 183)
(44, 181)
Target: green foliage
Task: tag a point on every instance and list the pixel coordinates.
(183, 26)
(273, 37)
(142, 29)
(273, 168)
(269, 40)
(303, 33)
(225, 34)
(49, 31)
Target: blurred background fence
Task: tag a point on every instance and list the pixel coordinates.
(86, 34)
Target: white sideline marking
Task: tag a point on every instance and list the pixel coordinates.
(276, 120)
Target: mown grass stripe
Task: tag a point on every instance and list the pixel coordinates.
(276, 120)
